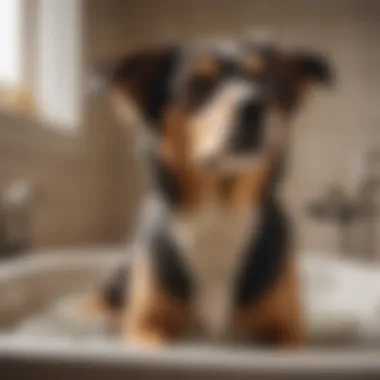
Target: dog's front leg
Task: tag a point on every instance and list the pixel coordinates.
(147, 335)
(156, 325)
(152, 317)
(288, 324)
(278, 319)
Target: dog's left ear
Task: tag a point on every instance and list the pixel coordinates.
(312, 67)
(308, 70)
(142, 81)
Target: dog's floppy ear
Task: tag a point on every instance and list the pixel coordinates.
(309, 69)
(312, 67)
(142, 81)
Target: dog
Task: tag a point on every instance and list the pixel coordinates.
(215, 256)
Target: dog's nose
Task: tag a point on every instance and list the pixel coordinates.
(248, 132)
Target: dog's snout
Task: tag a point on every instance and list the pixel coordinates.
(248, 131)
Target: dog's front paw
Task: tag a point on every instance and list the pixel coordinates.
(145, 337)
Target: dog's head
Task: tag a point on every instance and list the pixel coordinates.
(216, 106)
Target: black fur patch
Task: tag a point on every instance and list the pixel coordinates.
(170, 271)
(313, 66)
(147, 78)
(165, 182)
(265, 257)
(248, 135)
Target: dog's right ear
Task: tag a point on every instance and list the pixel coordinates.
(141, 82)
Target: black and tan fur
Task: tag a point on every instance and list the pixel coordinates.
(168, 88)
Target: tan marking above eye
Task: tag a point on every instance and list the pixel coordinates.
(253, 64)
(206, 67)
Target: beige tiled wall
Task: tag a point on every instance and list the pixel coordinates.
(69, 184)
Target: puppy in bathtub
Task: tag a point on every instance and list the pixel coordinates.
(214, 258)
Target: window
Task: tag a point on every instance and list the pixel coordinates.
(10, 42)
(12, 94)
(41, 65)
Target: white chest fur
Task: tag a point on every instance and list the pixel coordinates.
(212, 241)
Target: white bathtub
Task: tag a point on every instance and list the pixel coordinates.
(29, 284)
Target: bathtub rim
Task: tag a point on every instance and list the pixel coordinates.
(337, 361)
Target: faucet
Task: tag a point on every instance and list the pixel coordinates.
(345, 209)
(368, 201)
